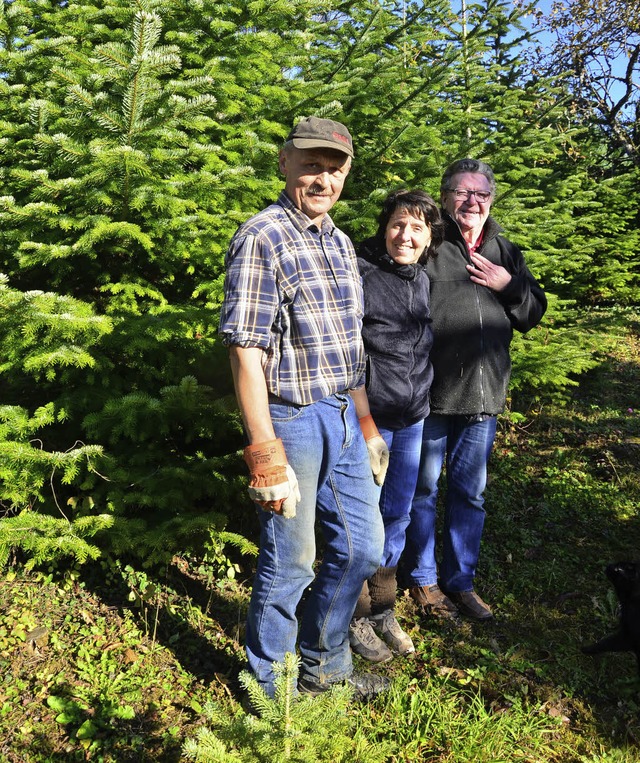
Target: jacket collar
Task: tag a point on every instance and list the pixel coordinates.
(491, 228)
(374, 251)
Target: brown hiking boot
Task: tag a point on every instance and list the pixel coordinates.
(471, 605)
(433, 601)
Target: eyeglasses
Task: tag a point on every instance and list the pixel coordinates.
(465, 193)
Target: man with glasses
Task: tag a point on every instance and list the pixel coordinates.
(481, 290)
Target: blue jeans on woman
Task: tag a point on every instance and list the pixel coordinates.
(399, 487)
(325, 448)
(465, 447)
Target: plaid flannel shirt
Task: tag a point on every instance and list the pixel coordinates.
(295, 292)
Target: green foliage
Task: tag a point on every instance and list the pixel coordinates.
(216, 557)
(42, 334)
(102, 691)
(113, 201)
(287, 727)
(549, 360)
(26, 467)
(46, 539)
(561, 502)
(135, 137)
(595, 48)
(119, 176)
(434, 719)
(46, 339)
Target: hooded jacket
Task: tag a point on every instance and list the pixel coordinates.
(473, 326)
(397, 336)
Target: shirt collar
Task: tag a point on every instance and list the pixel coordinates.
(300, 220)
(473, 248)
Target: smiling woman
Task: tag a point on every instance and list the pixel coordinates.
(397, 338)
(468, 201)
(407, 236)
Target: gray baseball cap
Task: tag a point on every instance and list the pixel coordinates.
(314, 132)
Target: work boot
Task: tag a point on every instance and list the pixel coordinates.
(365, 685)
(433, 601)
(388, 628)
(364, 641)
(471, 605)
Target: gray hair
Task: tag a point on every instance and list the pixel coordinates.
(467, 165)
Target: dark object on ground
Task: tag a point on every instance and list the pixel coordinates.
(433, 602)
(471, 605)
(365, 685)
(625, 577)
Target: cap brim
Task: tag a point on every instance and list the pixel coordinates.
(318, 143)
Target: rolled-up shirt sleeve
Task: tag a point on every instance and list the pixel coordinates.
(250, 294)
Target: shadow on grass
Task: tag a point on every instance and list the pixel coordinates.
(198, 623)
(562, 502)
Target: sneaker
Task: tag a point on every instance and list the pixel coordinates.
(471, 605)
(365, 685)
(434, 602)
(388, 628)
(365, 642)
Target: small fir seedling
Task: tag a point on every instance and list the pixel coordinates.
(286, 727)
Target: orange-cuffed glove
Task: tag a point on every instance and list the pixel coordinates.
(377, 447)
(273, 483)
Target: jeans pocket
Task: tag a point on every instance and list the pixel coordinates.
(281, 411)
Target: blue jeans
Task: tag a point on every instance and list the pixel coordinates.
(325, 448)
(466, 448)
(398, 488)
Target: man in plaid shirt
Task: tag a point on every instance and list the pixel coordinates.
(291, 318)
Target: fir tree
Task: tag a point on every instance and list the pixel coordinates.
(135, 137)
(44, 337)
(133, 144)
(287, 727)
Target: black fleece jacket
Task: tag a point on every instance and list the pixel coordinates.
(397, 336)
(473, 325)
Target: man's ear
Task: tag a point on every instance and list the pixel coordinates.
(282, 162)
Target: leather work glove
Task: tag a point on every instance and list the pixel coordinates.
(377, 447)
(273, 483)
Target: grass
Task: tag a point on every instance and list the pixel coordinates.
(114, 664)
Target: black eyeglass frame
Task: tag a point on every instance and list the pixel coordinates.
(481, 196)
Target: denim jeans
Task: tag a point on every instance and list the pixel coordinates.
(399, 487)
(466, 448)
(326, 450)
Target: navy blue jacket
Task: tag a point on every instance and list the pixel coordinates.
(473, 325)
(397, 336)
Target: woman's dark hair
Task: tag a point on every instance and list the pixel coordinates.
(419, 204)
